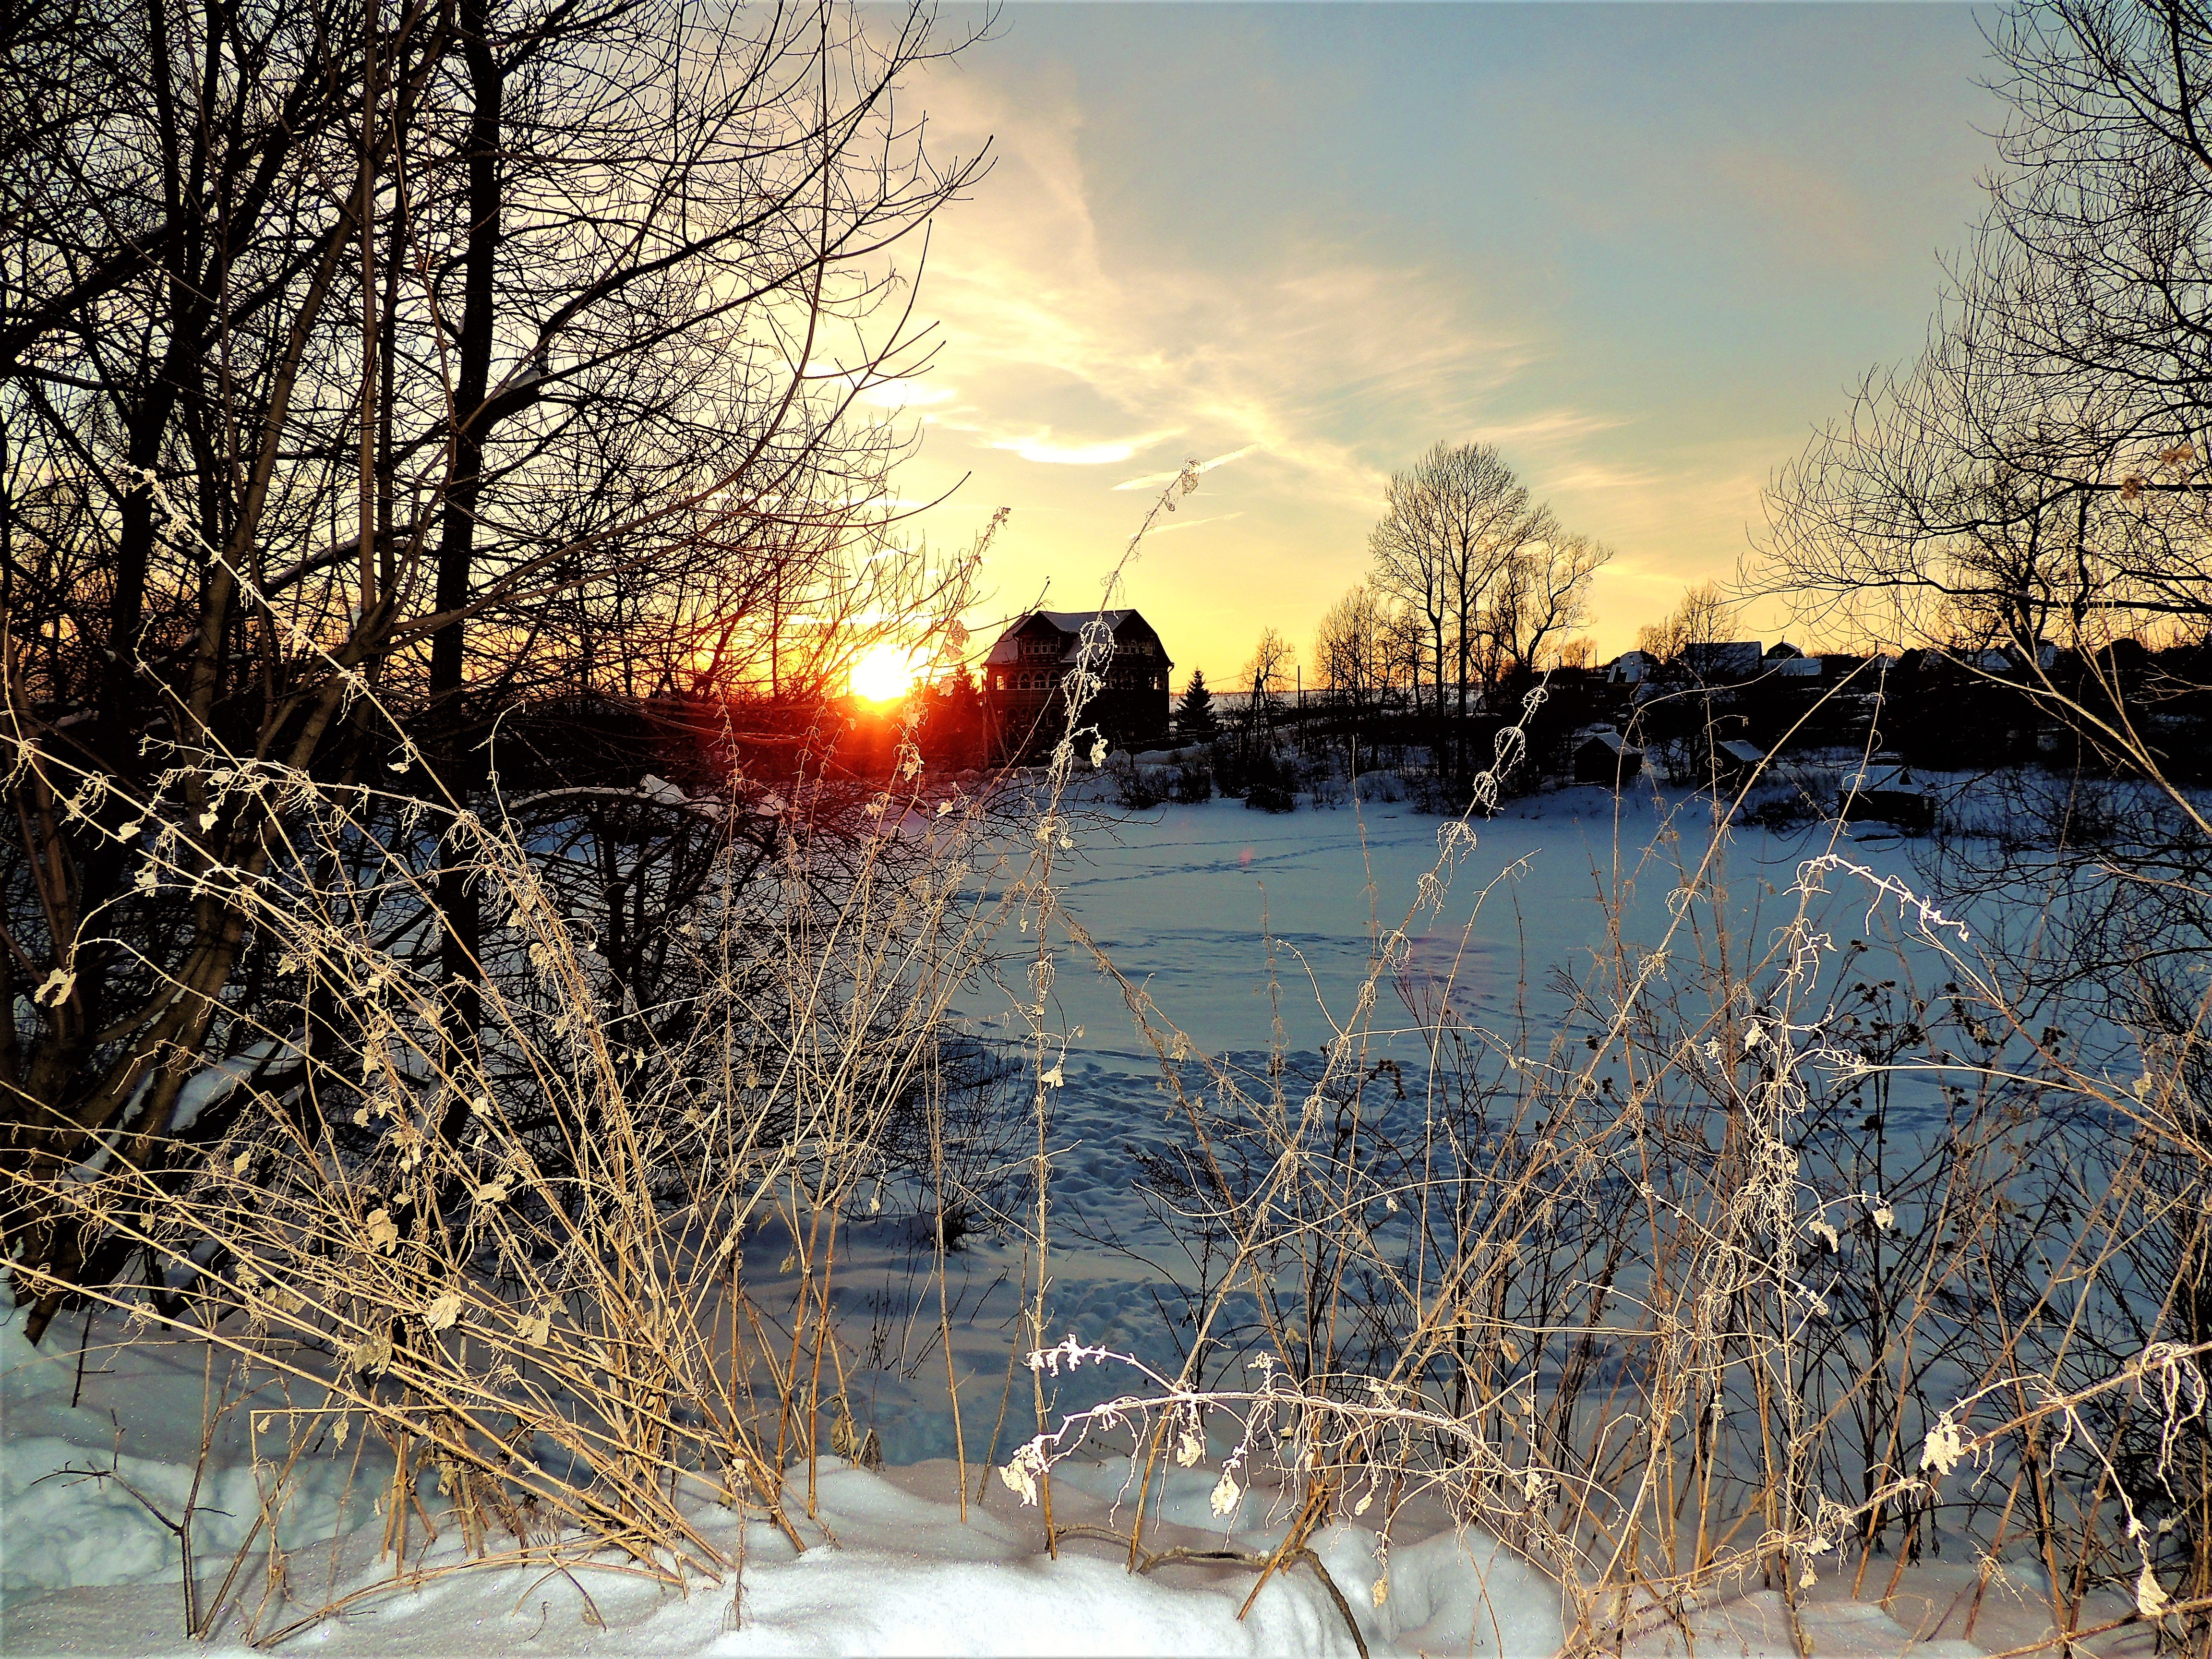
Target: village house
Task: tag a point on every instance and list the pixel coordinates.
(1726, 660)
(1026, 673)
(1883, 791)
(1604, 756)
(1728, 765)
(1632, 668)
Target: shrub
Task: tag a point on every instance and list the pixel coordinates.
(1194, 780)
(1139, 789)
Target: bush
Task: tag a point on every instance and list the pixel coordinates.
(1320, 780)
(1192, 784)
(1139, 789)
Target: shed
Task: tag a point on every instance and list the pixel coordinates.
(1604, 756)
(1883, 792)
(1731, 764)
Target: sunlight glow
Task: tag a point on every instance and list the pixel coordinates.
(885, 672)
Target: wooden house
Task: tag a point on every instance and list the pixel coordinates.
(1883, 792)
(1604, 756)
(1027, 674)
(1728, 766)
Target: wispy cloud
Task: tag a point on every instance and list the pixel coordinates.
(1291, 351)
(1154, 480)
(1192, 523)
(1042, 446)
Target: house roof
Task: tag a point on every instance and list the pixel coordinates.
(1729, 657)
(1745, 753)
(1612, 740)
(1069, 624)
(1881, 778)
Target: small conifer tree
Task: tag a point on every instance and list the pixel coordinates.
(1195, 718)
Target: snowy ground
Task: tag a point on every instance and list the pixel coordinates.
(1207, 907)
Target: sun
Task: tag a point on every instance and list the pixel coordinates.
(884, 673)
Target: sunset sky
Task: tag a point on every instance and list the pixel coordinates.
(1644, 249)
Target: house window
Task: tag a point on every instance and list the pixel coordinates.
(1002, 681)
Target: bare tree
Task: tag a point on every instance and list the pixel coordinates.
(1704, 617)
(1357, 659)
(2037, 481)
(369, 372)
(1453, 525)
(1265, 677)
(1544, 593)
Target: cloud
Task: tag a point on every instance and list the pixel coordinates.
(1061, 325)
(1154, 480)
(1041, 446)
(1192, 523)
(908, 394)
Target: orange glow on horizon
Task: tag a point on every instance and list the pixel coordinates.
(885, 672)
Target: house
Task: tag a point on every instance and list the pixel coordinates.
(1632, 668)
(1786, 661)
(1604, 756)
(1729, 765)
(1026, 673)
(1729, 659)
(1883, 792)
(2013, 659)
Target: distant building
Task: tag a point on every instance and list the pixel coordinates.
(1606, 758)
(1884, 791)
(1632, 668)
(1730, 766)
(1025, 678)
(1787, 661)
(1730, 660)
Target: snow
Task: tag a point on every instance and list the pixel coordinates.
(1211, 909)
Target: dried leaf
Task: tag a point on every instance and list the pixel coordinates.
(442, 1311)
(383, 1234)
(1944, 1446)
(1225, 1493)
(2150, 1601)
(371, 1354)
(1017, 1478)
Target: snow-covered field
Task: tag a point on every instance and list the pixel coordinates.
(1230, 920)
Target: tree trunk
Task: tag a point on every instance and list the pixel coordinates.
(459, 964)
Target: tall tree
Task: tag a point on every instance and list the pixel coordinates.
(1194, 720)
(1355, 651)
(1453, 524)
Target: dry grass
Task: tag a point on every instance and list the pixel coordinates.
(1670, 1295)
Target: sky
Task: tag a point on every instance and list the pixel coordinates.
(1645, 250)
